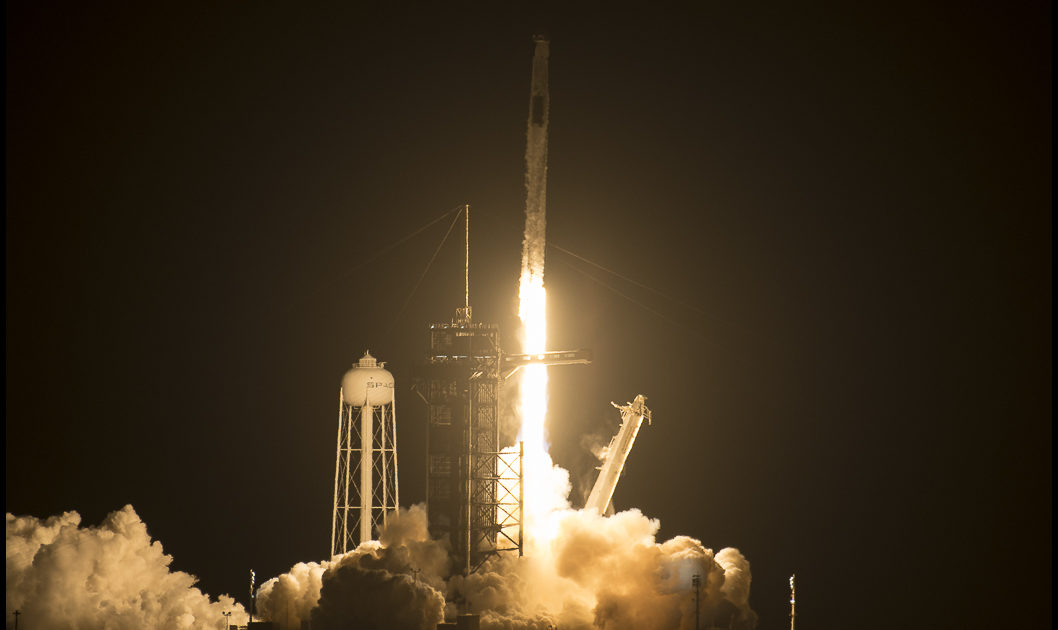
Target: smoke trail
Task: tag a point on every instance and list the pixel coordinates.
(60, 575)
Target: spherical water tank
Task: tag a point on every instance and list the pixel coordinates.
(367, 384)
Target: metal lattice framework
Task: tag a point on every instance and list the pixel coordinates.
(495, 481)
(473, 488)
(355, 519)
(509, 499)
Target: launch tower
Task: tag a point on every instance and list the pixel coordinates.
(473, 488)
(365, 467)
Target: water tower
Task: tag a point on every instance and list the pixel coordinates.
(365, 467)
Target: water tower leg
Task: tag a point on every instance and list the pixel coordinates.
(367, 443)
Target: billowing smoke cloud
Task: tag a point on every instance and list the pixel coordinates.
(397, 582)
(596, 572)
(375, 598)
(62, 575)
(290, 598)
(609, 572)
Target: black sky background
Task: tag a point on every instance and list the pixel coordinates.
(850, 204)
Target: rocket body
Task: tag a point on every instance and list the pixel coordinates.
(536, 164)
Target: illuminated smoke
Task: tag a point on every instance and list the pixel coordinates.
(60, 575)
(357, 589)
(595, 572)
(609, 572)
(290, 598)
(396, 582)
(736, 578)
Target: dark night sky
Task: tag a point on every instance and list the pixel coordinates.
(851, 205)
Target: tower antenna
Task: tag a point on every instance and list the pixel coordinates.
(466, 267)
(463, 314)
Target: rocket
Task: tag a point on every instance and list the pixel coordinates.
(538, 102)
(536, 162)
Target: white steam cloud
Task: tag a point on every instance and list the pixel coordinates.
(597, 572)
(397, 583)
(62, 575)
(593, 572)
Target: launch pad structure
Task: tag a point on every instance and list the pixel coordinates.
(473, 488)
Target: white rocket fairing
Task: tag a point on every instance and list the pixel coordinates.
(536, 162)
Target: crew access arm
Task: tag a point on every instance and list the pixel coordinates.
(632, 416)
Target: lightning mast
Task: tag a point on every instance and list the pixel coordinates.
(632, 415)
